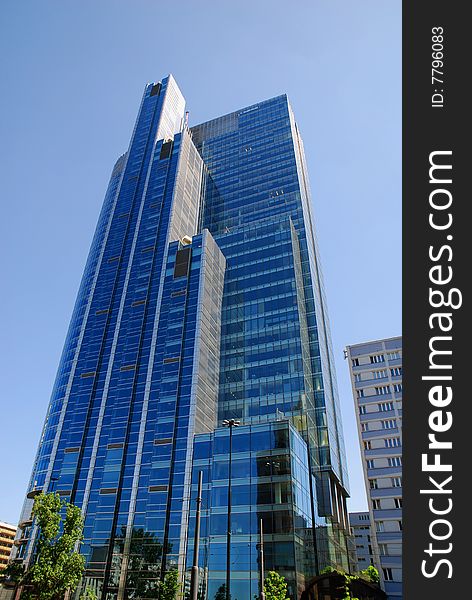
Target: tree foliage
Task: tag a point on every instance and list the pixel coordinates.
(169, 586)
(327, 570)
(275, 586)
(57, 567)
(221, 592)
(12, 573)
(88, 594)
(370, 574)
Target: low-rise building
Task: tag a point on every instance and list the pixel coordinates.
(360, 525)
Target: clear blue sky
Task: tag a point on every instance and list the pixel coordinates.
(72, 78)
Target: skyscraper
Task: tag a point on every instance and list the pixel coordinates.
(376, 377)
(202, 300)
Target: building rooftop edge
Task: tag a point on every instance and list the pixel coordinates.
(242, 109)
(376, 341)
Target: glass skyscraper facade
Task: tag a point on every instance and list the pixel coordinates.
(202, 300)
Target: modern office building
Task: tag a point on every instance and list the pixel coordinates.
(7, 535)
(360, 525)
(202, 301)
(376, 377)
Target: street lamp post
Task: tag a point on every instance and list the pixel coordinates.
(229, 423)
(261, 549)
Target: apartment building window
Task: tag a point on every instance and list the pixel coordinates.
(357, 377)
(381, 390)
(360, 393)
(380, 374)
(393, 355)
(368, 445)
(387, 573)
(396, 372)
(379, 526)
(384, 406)
(396, 481)
(373, 484)
(376, 504)
(370, 464)
(383, 549)
(400, 525)
(377, 358)
(362, 410)
(365, 426)
(389, 424)
(395, 461)
(398, 387)
(355, 362)
(398, 502)
(392, 442)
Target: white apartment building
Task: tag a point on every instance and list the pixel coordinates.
(376, 378)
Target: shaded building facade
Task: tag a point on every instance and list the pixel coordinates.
(202, 300)
(361, 530)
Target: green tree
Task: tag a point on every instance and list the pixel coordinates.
(12, 573)
(170, 585)
(275, 586)
(88, 594)
(57, 568)
(221, 592)
(370, 574)
(327, 570)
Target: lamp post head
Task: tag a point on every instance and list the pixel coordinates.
(231, 423)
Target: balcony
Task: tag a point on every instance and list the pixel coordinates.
(390, 560)
(385, 472)
(388, 492)
(387, 513)
(389, 536)
(33, 493)
(382, 452)
(375, 398)
(367, 435)
(393, 587)
(20, 541)
(377, 415)
(25, 523)
(372, 381)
